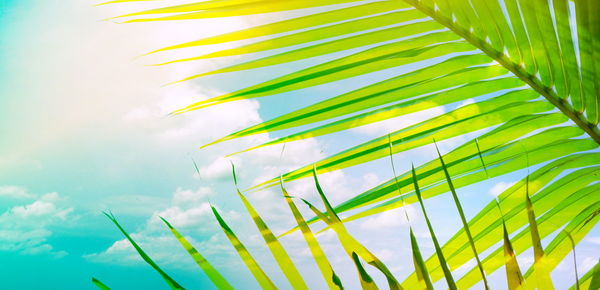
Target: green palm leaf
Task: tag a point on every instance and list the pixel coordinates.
(279, 253)
(438, 250)
(170, 281)
(590, 280)
(532, 42)
(331, 278)
(513, 272)
(350, 244)
(531, 67)
(258, 273)
(99, 284)
(210, 271)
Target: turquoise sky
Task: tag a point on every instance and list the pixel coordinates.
(84, 130)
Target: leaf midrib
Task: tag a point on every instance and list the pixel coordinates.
(518, 71)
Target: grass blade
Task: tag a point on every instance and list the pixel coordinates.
(542, 274)
(438, 249)
(279, 253)
(332, 280)
(463, 219)
(99, 284)
(250, 262)
(208, 269)
(513, 272)
(172, 283)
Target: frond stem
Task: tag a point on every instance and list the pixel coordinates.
(517, 70)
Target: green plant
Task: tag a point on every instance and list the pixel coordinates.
(536, 95)
(355, 250)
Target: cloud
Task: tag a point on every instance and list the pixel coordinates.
(189, 213)
(186, 196)
(219, 169)
(390, 219)
(593, 240)
(26, 228)
(15, 192)
(500, 187)
(587, 264)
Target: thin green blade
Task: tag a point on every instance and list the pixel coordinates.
(463, 219)
(438, 249)
(279, 253)
(172, 283)
(208, 269)
(99, 284)
(323, 263)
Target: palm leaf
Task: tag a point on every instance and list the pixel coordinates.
(420, 267)
(521, 241)
(99, 284)
(350, 244)
(513, 272)
(591, 279)
(208, 269)
(542, 275)
(463, 218)
(438, 250)
(251, 264)
(574, 259)
(172, 283)
(528, 51)
(279, 253)
(323, 263)
(561, 245)
(366, 282)
(532, 70)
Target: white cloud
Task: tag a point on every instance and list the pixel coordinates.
(186, 196)
(15, 192)
(587, 264)
(26, 228)
(390, 219)
(500, 187)
(593, 240)
(219, 169)
(189, 212)
(370, 180)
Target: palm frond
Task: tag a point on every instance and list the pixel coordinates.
(332, 280)
(518, 64)
(170, 281)
(99, 284)
(208, 269)
(532, 69)
(258, 273)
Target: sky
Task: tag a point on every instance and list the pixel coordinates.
(85, 130)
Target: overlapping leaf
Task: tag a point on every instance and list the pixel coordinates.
(545, 53)
(170, 281)
(208, 269)
(258, 273)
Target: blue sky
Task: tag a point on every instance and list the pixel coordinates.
(85, 130)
